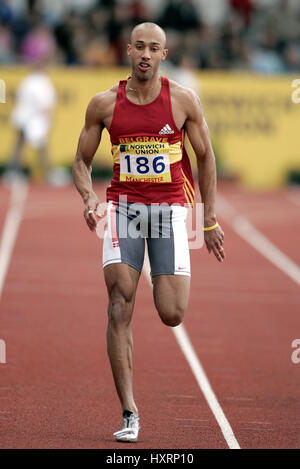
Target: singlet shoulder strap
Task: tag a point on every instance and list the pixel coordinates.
(165, 89)
(121, 88)
(165, 83)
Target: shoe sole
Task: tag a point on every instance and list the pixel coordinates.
(125, 438)
(127, 441)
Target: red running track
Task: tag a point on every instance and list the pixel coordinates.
(56, 389)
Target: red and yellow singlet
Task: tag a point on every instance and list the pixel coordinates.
(151, 164)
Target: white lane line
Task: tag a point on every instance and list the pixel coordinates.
(244, 228)
(19, 191)
(199, 373)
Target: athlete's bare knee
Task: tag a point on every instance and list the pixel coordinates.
(119, 314)
(171, 321)
(173, 317)
(119, 309)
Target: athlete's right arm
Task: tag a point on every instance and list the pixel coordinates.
(87, 146)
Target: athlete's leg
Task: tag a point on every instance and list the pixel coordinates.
(171, 295)
(170, 264)
(44, 160)
(15, 161)
(121, 281)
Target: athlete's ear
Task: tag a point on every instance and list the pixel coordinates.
(128, 49)
(165, 53)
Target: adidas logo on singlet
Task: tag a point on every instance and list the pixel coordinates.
(166, 130)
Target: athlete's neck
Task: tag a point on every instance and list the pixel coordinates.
(143, 90)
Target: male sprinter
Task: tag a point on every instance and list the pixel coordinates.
(146, 116)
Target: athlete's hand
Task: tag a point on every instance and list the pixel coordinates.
(91, 213)
(214, 240)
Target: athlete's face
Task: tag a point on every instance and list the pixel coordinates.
(146, 51)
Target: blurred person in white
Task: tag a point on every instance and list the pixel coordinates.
(32, 117)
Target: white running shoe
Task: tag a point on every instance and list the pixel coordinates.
(130, 428)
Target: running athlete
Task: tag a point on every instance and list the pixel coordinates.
(146, 116)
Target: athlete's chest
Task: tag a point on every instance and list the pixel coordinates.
(163, 117)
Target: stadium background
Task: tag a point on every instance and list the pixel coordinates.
(242, 56)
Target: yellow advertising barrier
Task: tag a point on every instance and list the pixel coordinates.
(253, 121)
(254, 126)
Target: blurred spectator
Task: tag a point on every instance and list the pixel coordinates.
(213, 12)
(99, 52)
(38, 45)
(232, 41)
(65, 39)
(6, 45)
(244, 8)
(119, 18)
(6, 13)
(207, 49)
(284, 21)
(138, 12)
(292, 57)
(265, 61)
(181, 16)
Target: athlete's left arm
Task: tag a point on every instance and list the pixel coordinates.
(198, 134)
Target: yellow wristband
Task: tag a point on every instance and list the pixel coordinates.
(208, 228)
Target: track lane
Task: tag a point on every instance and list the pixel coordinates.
(243, 316)
(275, 214)
(57, 389)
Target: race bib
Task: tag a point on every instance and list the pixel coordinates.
(145, 162)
